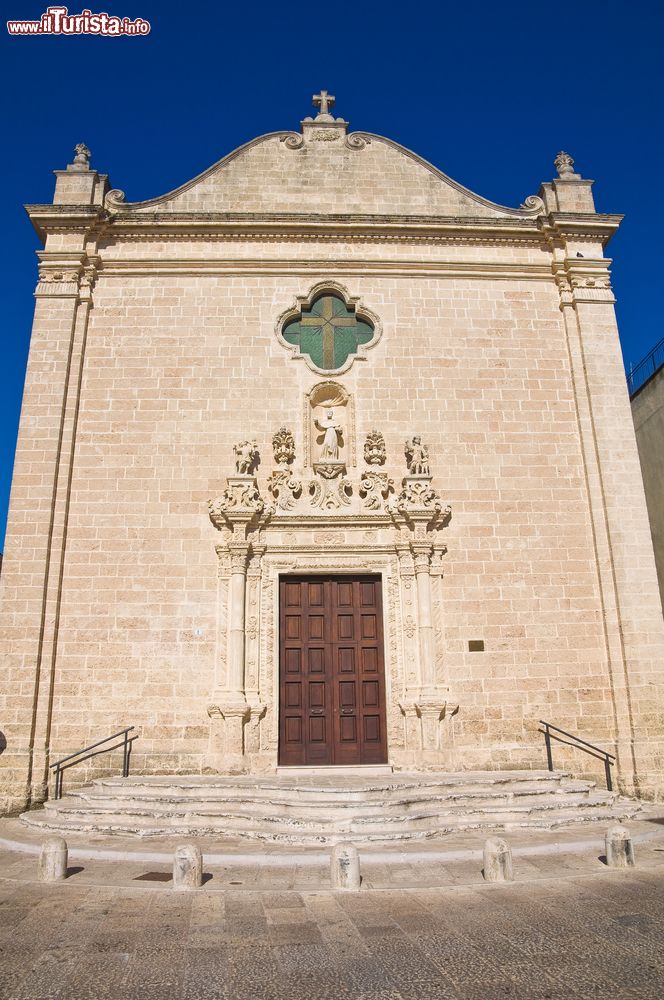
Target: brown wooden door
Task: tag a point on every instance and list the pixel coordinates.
(331, 669)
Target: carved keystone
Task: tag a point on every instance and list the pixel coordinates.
(497, 861)
(187, 868)
(53, 860)
(345, 868)
(619, 847)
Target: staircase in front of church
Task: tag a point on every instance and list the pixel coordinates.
(327, 808)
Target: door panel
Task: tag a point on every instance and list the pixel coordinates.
(332, 684)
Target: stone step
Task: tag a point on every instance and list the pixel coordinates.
(404, 806)
(359, 770)
(238, 818)
(186, 789)
(320, 810)
(396, 800)
(339, 780)
(197, 826)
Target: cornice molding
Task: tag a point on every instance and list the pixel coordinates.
(130, 225)
(580, 226)
(292, 266)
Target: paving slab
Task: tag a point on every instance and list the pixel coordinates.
(597, 934)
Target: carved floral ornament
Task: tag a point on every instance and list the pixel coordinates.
(374, 449)
(54, 276)
(283, 446)
(329, 329)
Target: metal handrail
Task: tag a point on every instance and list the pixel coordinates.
(646, 368)
(604, 755)
(126, 747)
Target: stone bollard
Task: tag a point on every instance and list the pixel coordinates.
(619, 847)
(53, 860)
(345, 867)
(497, 861)
(187, 868)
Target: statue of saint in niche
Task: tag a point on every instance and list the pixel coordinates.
(331, 434)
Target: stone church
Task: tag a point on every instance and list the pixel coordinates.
(326, 461)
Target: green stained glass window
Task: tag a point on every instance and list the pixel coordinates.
(328, 332)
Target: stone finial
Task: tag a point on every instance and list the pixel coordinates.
(345, 868)
(82, 157)
(323, 102)
(246, 457)
(283, 445)
(187, 868)
(417, 457)
(53, 860)
(374, 449)
(564, 164)
(497, 861)
(619, 847)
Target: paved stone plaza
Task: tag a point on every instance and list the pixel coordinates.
(566, 928)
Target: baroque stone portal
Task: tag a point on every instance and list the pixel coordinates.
(342, 523)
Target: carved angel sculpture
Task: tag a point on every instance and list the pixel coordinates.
(417, 457)
(246, 455)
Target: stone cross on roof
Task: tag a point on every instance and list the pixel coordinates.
(323, 101)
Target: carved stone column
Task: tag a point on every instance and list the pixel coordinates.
(231, 707)
(419, 512)
(239, 553)
(241, 510)
(412, 676)
(422, 562)
(252, 628)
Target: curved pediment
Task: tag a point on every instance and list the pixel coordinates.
(324, 171)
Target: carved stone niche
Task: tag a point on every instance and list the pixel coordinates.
(329, 427)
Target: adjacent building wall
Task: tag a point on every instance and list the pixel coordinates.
(648, 414)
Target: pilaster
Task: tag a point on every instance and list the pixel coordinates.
(626, 576)
(37, 524)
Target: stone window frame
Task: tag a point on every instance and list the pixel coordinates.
(303, 302)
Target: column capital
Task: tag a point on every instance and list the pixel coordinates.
(59, 273)
(254, 561)
(239, 556)
(241, 505)
(422, 556)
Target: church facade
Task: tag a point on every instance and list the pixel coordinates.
(326, 461)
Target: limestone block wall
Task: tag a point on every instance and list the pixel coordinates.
(154, 352)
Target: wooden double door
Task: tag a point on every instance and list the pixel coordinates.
(331, 671)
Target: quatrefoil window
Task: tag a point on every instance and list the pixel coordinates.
(327, 330)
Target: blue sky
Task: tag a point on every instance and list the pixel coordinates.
(488, 92)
